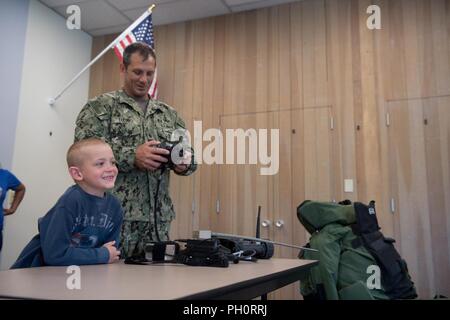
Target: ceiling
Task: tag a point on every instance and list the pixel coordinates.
(100, 17)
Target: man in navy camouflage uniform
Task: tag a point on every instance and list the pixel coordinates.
(134, 124)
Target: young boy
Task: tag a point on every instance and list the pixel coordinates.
(84, 225)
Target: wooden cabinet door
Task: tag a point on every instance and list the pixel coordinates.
(182, 194)
(419, 172)
(311, 176)
(242, 188)
(437, 151)
(304, 172)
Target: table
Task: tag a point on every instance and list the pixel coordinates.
(245, 280)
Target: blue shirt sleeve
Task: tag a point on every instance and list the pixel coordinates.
(57, 247)
(13, 182)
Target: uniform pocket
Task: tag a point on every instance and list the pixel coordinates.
(126, 133)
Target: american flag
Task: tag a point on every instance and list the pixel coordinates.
(143, 33)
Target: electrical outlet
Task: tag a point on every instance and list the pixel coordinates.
(348, 185)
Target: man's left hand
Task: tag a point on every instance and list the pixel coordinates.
(184, 163)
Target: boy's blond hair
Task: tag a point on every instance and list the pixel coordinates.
(75, 154)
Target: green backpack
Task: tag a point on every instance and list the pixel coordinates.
(355, 260)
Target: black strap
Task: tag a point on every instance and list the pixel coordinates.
(156, 208)
(395, 279)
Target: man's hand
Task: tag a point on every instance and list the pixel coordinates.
(184, 163)
(149, 157)
(7, 212)
(113, 252)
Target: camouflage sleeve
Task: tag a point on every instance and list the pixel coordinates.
(193, 166)
(94, 121)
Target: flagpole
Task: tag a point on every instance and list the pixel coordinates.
(52, 101)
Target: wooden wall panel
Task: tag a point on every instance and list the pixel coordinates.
(183, 89)
(412, 82)
(105, 73)
(296, 59)
(341, 86)
(318, 54)
(207, 113)
(382, 43)
(412, 224)
(315, 71)
(437, 143)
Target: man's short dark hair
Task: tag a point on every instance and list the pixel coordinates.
(142, 48)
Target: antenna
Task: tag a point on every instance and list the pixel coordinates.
(258, 222)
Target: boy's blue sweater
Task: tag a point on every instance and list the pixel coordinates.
(74, 230)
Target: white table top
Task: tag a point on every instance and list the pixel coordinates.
(161, 281)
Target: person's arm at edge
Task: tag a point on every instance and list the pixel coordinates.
(18, 197)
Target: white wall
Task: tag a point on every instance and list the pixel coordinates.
(53, 55)
(13, 22)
